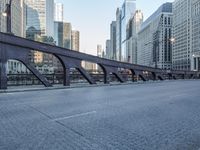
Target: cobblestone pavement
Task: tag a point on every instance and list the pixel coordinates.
(153, 116)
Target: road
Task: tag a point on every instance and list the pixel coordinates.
(151, 116)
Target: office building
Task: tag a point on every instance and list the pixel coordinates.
(40, 15)
(182, 32)
(127, 12)
(154, 39)
(63, 34)
(75, 40)
(58, 12)
(195, 59)
(40, 27)
(133, 27)
(99, 51)
(17, 17)
(113, 40)
(108, 49)
(118, 34)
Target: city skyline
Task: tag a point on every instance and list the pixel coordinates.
(101, 27)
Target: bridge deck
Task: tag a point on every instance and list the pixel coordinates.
(151, 116)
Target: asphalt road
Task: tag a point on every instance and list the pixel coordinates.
(153, 116)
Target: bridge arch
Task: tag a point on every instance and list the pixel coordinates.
(13, 47)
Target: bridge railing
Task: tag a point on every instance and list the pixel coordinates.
(17, 48)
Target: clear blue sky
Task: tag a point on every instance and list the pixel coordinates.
(93, 17)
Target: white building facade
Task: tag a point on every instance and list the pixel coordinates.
(182, 32)
(195, 60)
(58, 12)
(154, 39)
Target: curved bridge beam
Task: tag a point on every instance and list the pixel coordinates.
(13, 47)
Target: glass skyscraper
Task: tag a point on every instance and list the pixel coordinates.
(40, 15)
(127, 12)
(63, 34)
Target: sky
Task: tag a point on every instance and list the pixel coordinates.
(93, 17)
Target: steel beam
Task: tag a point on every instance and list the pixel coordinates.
(66, 77)
(40, 77)
(86, 75)
(13, 47)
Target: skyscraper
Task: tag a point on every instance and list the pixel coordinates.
(182, 32)
(17, 17)
(154, 39)
(128, 10)
(113, 40)
(68, 35)
(118, 34)
(75, 40)
(58, 12)
(195, 62)
(99, 50)
(133, 28)
(63, 34)
(40, 15)
(108, 49)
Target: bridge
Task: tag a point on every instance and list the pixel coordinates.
(151, 116)
(17, 48)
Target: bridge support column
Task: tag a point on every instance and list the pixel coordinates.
(154, 76)
(106, 77)
(133, 75)
(86, 75)
(40, 77)
(119, 77)
(3, 73)
(140, 75)
(183, 76)
(174, 76)
(66, 77)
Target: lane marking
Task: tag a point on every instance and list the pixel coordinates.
(75, 116)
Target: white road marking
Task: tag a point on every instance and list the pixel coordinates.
(75, 116)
